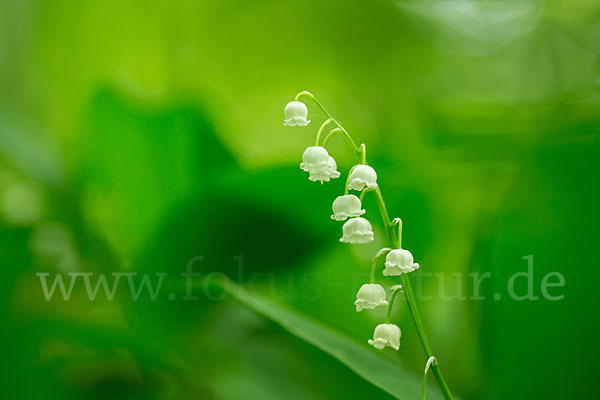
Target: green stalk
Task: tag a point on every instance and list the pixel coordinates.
(410, 299)
(379, 254)
(329, 116)
(388, 313)
(395, 241)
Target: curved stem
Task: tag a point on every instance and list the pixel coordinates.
(384, 214)
(348, 181)
(364, 191)
(363, 150)
(393, 241)
(412, 304)
(410, 298)
(380, 253)
(431, 361)
(334, 131)
(330, 134)
(329, 116)
(323, 125)
(398, 222)
(388, 312)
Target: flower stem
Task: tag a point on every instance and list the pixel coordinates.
(329, 135)
(380, 253)
(384, 215)
(363, 151)
(329, 116)
(388, 313)
(394, 240)
(346, 189)
(410, 299)
(398, 222)
(323, 125)
(412, 305)
(431, 361)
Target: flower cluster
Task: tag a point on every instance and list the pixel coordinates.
(356, 229)
(319, 164)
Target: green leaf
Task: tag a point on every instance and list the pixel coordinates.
(364, 361)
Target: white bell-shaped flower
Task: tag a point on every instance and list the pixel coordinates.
(398, 262)
(346, 206)
(326, 173)
(386, 335)
(296, 113)
(357, 230)
(362, 176)
(319, 164)
(370, 296)
(313, 157)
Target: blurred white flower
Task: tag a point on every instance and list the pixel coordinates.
(346, 206)
(398, 262)
(386, 335)
(370, 296)
(296, 113)
(319, 164)
(357, 230)
(362, 176)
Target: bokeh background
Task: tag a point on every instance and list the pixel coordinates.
(135, 135)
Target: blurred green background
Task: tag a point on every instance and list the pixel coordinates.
(135, 135)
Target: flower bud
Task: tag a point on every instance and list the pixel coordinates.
(398, 262)
(370, 296)
(362, 176)
(357, 230)
(296, 113)
(346, 206)
(386, 335)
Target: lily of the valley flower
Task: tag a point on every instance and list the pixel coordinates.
(319, 164)
(314, 157)
(346, 206)
(386, 335)
(326, 173)
(362, 176)
(357, 230)
(296, 113)
(370, 296)
(398, 262)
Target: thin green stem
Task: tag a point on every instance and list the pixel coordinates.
(379, 254)
(329, 135)
(373, 272)
(334, 131)
(364, 191)
(329, 116)
(323, 125)
(412, 305)
(410, 298)
(363, 150)
(430, 362)
(388, 313)
(398, 222)
(394, 240)
(346, 189)
(384, 214)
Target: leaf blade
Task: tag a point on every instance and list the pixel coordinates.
(366, 363)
